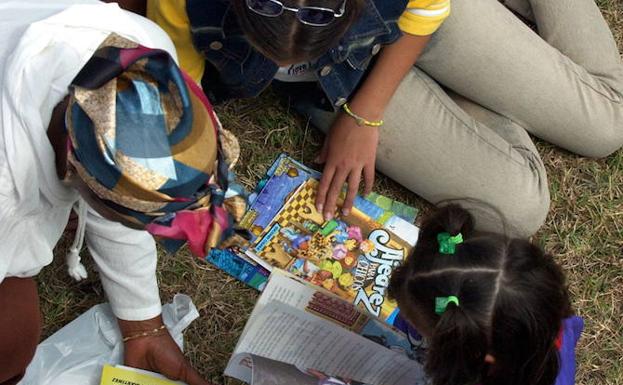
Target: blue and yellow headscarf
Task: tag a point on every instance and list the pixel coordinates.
(145, 139)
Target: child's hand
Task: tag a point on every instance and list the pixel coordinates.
(349, 150)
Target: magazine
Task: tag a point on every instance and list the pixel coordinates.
(352, 256)
(284, 177)
(301, 334)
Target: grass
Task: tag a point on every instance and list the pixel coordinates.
(584, 231)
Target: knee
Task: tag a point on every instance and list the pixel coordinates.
(526, 216)
(20, 326)
(602, 138)
(516, 215)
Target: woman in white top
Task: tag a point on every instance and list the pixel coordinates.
(66, 68)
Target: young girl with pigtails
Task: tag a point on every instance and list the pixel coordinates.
(494, 309)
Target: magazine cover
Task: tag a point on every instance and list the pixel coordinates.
(282, 179)
(286, 175)
(351, 256)
(272, 192)
(284, 163)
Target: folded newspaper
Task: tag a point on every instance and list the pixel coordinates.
(301, 334)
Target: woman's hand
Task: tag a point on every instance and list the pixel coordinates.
(349, 152)
(157, 353)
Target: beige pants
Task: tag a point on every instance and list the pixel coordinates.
(564, 85)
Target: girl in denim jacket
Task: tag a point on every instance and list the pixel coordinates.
(440, 95)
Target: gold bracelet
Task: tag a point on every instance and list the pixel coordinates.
(361, 121)
(148, 333)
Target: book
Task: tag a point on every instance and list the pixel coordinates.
(352, 256)
(125, 375)
(301, 334)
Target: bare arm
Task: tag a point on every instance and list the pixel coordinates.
(393, 64)
(350, 150)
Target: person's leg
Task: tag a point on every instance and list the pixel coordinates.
(564, 86)
(20, 327)
(521, 7)
(451, 150)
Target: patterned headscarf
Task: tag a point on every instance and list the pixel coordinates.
(145, 139)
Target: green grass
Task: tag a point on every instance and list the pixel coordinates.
(584, 231)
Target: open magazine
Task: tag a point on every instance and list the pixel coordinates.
(300, 334)
(352, 256)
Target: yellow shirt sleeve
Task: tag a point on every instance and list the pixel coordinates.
(423, 17)
(171, 16)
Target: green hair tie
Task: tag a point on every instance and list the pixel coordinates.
(441, 303)
(447, 242)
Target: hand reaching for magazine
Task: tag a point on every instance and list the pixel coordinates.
(349, 152)
(157, 353)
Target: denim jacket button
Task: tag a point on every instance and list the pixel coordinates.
(325, 71)
(340, 102)
(216, 45)
(376, 49)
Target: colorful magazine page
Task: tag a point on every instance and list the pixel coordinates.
(235, 263)
(406, 212)
(283, 177)
(286, 175)
(116, 375)
(284, 160)
(351, 256)
(388, 205)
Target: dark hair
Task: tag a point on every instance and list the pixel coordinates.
(284, 38)
(512, 300)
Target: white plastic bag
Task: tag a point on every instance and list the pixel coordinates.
(76, 354)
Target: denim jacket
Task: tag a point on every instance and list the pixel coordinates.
(235, 70)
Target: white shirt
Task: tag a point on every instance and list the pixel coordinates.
(43, 45)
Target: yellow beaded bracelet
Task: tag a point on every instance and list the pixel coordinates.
(361, 121)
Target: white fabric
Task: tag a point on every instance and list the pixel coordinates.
(75, 268)
(43, 45)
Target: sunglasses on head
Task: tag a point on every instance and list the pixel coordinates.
(314, 16)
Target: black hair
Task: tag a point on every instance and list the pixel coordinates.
(285, 39)
(512, 300)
